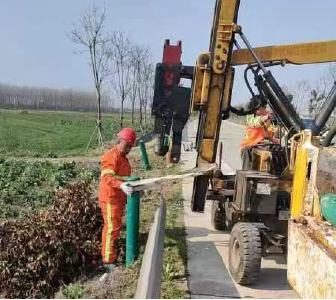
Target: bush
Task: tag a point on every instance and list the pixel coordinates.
(74, 291)
(40, 253)
(27, 187)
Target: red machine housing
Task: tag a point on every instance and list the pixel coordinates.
(171, 101)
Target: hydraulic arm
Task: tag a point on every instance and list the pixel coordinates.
(213, 77)
(274, 94)
(280, 185)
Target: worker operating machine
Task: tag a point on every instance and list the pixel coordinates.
(276, 200)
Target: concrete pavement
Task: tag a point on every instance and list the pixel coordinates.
(208, 249)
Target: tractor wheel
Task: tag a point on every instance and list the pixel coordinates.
(218, 216)
(245, 253)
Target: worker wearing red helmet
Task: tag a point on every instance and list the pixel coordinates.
(113, 190)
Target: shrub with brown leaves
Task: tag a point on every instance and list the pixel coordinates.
(40, 253)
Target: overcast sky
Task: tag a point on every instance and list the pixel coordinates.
(34, 48)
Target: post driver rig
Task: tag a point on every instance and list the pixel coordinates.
(256, 201)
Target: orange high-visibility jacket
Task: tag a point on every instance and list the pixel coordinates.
(115, 169)
(256, 131)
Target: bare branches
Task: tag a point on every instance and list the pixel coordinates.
(147, 80)
(89, 34)
(331, 73)
(135, 62)
(132, 74)
(120, 49)
(139, 60)
(300, 95)
(133, 78)
(317, 96)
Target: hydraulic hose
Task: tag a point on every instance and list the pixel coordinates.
(242, 112)
(276, 97)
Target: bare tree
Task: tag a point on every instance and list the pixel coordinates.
(89, 33)
(318, 95)
(138, 54)
(134, 84)
(148, 86)
(120, 58)
(300, 93)
(331, 73)
(145, 87)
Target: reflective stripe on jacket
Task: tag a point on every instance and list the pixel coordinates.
(115, 169)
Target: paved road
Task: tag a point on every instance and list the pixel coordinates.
(208, 249)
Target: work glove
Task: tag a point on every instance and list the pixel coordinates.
(126, 188)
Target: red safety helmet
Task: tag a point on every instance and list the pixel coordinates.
(128, 135)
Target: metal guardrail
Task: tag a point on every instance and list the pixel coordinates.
(149, 282)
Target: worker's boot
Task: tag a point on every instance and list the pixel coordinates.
(110, 267)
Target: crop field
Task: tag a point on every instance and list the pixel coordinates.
(53, 134)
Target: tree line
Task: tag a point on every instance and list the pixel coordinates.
(122, 74)
(44, 98)
(308, 97)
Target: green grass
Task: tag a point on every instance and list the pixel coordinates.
(28, 187)
(52, 134)
(74, 291)
(175, 248)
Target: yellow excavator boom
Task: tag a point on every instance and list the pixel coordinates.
(298, 54)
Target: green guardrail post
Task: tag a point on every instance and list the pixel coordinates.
(166, 141)
(132, 225)
(144, 156)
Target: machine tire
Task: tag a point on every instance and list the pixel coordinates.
(245, 253)
(217, 216)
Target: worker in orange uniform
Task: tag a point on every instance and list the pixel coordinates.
(115, 170)
(259, 129)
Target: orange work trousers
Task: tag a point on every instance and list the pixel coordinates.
(112, 215)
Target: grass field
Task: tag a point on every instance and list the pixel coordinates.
(52, 134)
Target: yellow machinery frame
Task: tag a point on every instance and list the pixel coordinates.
(218, 96)
(214, 72)
(212, 89)
(213, 75)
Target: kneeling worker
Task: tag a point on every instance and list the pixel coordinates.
(115, 170)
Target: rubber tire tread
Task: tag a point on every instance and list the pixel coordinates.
(217, 216)
(249, 239)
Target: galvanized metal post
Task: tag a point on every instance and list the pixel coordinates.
(132, 225)
(149, 282)
(166, 141)
(144, 156)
